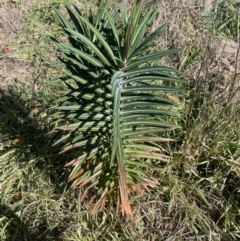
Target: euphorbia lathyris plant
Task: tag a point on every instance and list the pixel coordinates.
(117, 106)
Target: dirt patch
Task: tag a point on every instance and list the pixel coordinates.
(11, 26)
(11, 69)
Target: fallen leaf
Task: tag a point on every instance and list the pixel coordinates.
(5, 50)
(19, 141)
(17, 196)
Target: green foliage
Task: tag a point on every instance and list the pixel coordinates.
(226, 19)
(40, 19)
(190, 54)
(208, 155)
(117, 105)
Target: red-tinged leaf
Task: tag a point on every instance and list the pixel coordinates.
(66, 128)
(159, 157)
(99, 202)
(82, 158)
(5, 50)
(135, 189)
(123, 189)
(150, 182)
(78, 144)
(82, 197)
(87, 180)
(72, 177)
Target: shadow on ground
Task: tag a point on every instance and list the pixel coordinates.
(24, 128)
(25, 124)
(17, 230)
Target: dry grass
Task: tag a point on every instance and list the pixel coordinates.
(198, 196)
(11, 25)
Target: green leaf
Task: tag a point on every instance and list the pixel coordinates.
(116, 33)
(89, 45)
(101, 39)
(147, 40)
(139, 31)
(151, 88)
(68, 49)
(149, 58)
(116, 126)
(162, 77)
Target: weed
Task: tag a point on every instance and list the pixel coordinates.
(226, 19)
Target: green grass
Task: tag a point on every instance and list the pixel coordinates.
(198, 196)
(226, 19)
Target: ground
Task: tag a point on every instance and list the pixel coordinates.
(198, 196)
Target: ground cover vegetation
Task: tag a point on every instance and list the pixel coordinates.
(196, 193)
